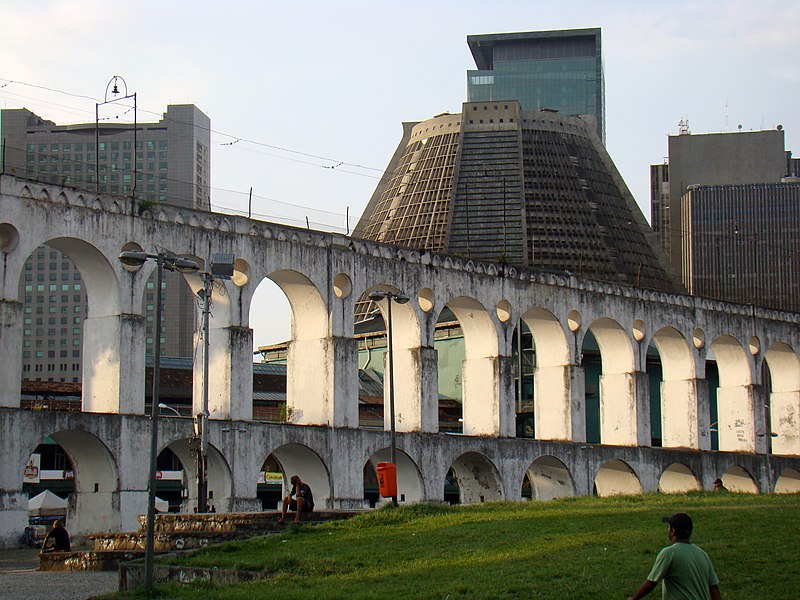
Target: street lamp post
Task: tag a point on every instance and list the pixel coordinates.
(221, 268)
(164, 260)
(115, 98)
(172, 408)
(390, 297)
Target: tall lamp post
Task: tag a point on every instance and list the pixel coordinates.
(390, 297)
(164, 260)
(221, 268)
(115, 98)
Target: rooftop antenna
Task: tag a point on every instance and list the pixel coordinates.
(683, 126)
(726, 115)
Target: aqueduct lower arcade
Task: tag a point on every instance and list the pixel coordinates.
(728, 373)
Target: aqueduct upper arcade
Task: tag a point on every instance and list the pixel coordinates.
(754, 352)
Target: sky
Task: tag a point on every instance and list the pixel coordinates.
(306, 100)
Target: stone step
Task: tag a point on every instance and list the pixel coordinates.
(175, 532)
(220, 522)
(84, 561)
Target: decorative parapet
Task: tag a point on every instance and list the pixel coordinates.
(235, 224)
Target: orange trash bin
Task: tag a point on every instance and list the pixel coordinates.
(387, 479)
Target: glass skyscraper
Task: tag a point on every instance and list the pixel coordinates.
(557, 70)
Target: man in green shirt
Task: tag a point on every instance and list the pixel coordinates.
(685, 569)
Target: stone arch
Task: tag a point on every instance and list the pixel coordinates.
(616, 477)
(677, 478)
(299, 459)
(788, 482)
(312, 400)
(410, 485)
(477, 478)
(218, 472)
(95, 504)
(619, 410)
(738, 479)
(678, 400)
(735, 396)
(550, 478)
(552, 409)
(416, 400)
(309, 311)
(97, 273)
(486, 396)
(784, 398)
(101, 325)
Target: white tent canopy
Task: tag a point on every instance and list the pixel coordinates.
(47, 504)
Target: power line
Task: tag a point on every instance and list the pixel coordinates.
(235, 138)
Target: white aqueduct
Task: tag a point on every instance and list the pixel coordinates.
(323, 275)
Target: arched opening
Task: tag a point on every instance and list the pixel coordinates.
(410, 487)
(477, 479)
(270, 318)
(452, 495)
(270, 484)
(523, 355)
(738, 479)
(64, 355)
(673, 391)
(782, 394)
(615, 477)
(179, 457)
(414, 401)
(172, 483)
(544, 376)
(450, 353)
(78, 467)
(734, 396)
(613, 397)
(309, 400)
(486, 406)
(678, 479)
(788, 482)
(550, 478)
(297, 459)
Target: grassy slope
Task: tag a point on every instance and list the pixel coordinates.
(572, 548)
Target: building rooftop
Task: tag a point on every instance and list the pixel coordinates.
(482, 45)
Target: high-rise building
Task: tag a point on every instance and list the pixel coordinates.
(529, 188)
(722, 205)
(560, 70)
(742, 243)
(169, 162)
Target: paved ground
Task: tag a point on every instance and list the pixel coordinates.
(20, 579)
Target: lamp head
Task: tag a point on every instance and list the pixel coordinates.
(186, 265)
(377, 296)
(133, 258)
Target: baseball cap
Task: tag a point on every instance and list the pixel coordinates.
(680, 522)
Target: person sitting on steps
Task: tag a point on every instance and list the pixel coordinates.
(303, 500)
(59, 538)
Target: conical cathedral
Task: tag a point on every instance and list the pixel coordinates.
(535, 189)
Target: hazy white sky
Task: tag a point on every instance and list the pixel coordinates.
(336, 80)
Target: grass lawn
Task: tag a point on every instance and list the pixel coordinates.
(575, 548)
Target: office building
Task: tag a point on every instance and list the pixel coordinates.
(722, 205)
(559, 70)
(530, 188)
(169, 162)
(742, 243)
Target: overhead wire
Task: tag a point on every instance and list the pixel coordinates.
(337, 163)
